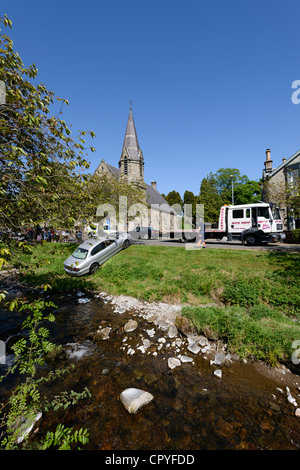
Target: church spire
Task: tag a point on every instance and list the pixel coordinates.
(131, 144)
(131, 162)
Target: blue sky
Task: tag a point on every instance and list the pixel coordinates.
(210, 80)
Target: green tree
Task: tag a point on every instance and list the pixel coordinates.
(245, 191)
(173, 197)
(190, 199)
(210, 198)
(40, 162)
(101, 189)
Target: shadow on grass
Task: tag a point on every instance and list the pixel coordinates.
(288, 263)
(61, 283)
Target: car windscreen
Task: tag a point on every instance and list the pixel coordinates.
(80, 253)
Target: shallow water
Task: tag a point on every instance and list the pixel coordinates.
(192, 408)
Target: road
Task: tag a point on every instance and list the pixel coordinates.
(214, 244)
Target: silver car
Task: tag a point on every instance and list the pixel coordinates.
(88, 256)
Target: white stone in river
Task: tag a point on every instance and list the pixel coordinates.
(172, 331)
(104, 333)
(151, 332)
(218, 373)
(146, 343)
(194, 348)
(173, 362)
(131, 325)
(133, 399)
(186, 359)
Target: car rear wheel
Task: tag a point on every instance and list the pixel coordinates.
(126, 244)
(94, 267)
(251, 240)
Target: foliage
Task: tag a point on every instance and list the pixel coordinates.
(258, 332)
(174, 198)
(4, 255)
(216, 190)
(210, 198)
(63, 437)
(245, 191)
(244, 292)
(101, 189)
(190, 199)
(26, 402)
(296, 235)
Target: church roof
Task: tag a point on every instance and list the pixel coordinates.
(131, 143)
(152, 195)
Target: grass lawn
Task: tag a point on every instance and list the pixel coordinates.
(251, 298)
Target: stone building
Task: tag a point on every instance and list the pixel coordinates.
(276, 182)
(161, 216)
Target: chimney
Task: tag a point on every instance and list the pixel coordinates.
(284, 160)
(153, 184)
(268, 162)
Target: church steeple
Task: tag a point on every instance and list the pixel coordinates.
(131, 162)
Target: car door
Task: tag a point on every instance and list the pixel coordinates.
(110, 249)
(97, 253)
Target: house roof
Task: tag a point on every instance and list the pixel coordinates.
(283, 165)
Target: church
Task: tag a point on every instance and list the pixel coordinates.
(161, 216)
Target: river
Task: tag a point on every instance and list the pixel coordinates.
(192, 408)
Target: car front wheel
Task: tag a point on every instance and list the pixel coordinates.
(94, 267)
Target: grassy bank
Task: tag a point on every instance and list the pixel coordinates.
(255, 294)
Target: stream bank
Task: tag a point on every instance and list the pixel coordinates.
(245, 407)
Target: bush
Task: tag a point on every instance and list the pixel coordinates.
(242, 292)
(258, 334)
(296, 235)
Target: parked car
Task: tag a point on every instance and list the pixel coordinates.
(88, 256)
(145, 233)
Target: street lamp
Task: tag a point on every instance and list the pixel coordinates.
(232, 196)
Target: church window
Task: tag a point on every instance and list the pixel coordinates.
(125, 166)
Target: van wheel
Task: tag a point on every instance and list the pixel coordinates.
(94, 267)
(251, 240)
(126, 244)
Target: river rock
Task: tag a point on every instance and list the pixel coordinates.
(24, 424)
(184, 326)
(290, 398)
(131, 325)
(194, 348)
(102, 334)
(173, 362)
(202, 341)
(151, 332)
(186, 359)
(133, 399)
(172, 331)
(146, 343)
(218, 373)
(219, 359)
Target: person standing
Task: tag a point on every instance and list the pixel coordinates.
(201, 234)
